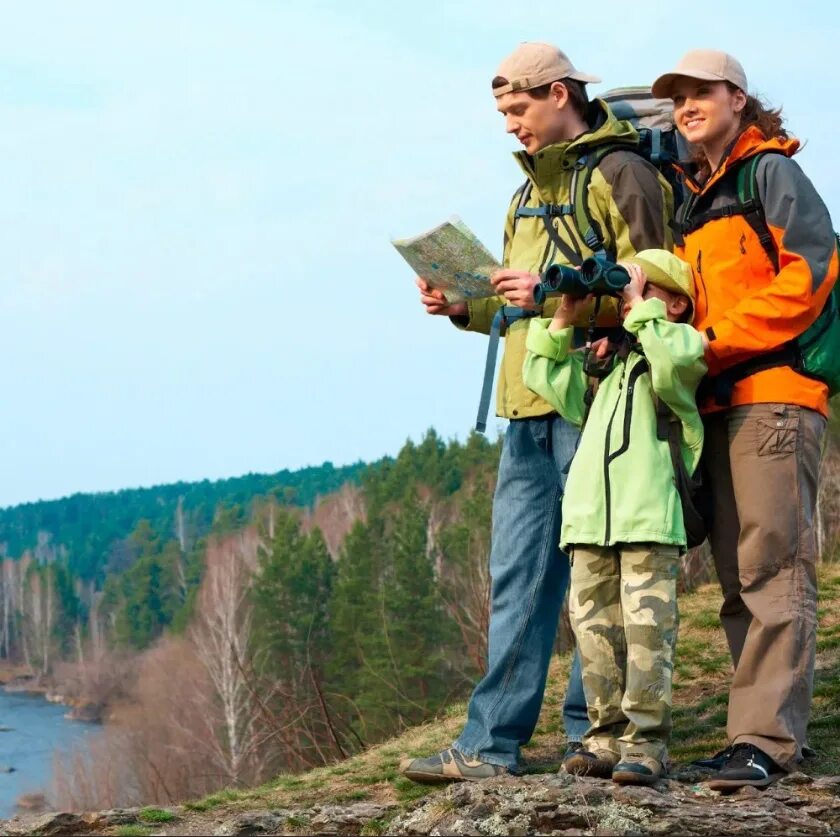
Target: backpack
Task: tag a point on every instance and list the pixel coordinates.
(816, 352)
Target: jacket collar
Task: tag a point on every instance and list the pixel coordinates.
(552, 161)
(749, 143)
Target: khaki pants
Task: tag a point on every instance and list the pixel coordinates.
(762, 462)
(623, 604)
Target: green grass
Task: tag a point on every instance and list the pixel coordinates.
(133, 831)
(156, 815)
(375, 828)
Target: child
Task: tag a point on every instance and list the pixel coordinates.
(622, 517)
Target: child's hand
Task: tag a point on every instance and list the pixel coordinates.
(568, 311)
(634, 290)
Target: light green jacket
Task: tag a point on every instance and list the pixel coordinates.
(620, 487)
(629, 200)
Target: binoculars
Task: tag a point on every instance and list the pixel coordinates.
(596, 276)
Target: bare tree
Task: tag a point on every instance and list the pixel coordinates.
(221, 634)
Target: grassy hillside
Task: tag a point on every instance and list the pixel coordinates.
(701, 681)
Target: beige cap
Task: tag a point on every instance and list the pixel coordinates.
(531, 65)
(665, 270)
(704, 64)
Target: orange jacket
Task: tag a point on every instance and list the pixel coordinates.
(744, 306)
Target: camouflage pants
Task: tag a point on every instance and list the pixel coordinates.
(623, 604)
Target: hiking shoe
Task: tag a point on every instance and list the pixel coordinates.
(715, 762)
(746, 765)
(638, 769)
(582, 762)
(449, 766)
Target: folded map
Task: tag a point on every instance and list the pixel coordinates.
(451, 259)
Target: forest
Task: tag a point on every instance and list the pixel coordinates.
(229, 631)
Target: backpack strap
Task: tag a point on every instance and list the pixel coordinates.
(747, 203)
(752, 209)
(506, 315)
(588, 228)
(690, 488)
(547, 211)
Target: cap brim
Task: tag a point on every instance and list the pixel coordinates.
(657, 276)
(585, 78)
(661, 88)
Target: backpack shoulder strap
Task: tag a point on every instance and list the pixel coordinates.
(520, 198)
(747, 203)
(588, 228)
(751, 207)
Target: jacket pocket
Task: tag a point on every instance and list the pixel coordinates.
(776, 434)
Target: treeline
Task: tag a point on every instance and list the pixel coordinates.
(88, 531)
(292, 657)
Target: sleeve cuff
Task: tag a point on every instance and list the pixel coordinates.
(643, 312)
(544, 343)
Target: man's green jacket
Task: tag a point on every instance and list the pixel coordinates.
(620, 487)
(629, 200)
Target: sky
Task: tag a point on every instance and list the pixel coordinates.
(196, 202)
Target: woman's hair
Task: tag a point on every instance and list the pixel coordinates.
(770, 122)
(578, 98)
(756, 112)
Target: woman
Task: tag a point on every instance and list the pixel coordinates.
(764, 258)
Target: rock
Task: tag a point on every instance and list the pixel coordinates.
(548, 805)
(47, 825)
(258, 822)
(35, 803)
(796, 779)
(90, 713)
(338, 819)
(830, 783)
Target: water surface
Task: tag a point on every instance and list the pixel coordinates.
(36, 729)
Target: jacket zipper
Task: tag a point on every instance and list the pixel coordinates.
(607, 456)
(638, 370)
(701, 281)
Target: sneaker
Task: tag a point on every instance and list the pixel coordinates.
(746, 765)
(449, 766)
(717, 761)
(582, 762)
(638, 769)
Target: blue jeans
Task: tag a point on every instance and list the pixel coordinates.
(530, 575)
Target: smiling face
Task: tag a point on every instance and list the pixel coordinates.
(707, 113)
(536, 123)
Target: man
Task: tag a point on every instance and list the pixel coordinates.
(544, 102)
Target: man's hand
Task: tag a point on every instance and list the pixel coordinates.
(516, 286)
(569, 310)
(435, 302)
(634, 290)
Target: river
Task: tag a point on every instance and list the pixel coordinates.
(31, 730)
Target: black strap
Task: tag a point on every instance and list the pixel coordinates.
(547, 211)
(693, 500)
(720, 387)
(753, 209)
(748, 204)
